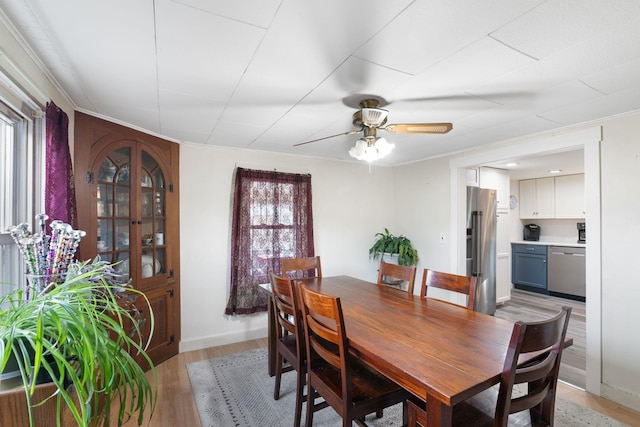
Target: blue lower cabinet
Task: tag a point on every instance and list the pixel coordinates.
(529, 267)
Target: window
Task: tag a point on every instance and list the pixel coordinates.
(272, 219)
(22, 160)
(273, 234)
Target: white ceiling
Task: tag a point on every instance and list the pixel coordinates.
(267, 74)
(559, 163)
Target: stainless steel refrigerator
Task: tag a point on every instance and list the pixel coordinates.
(481, 246)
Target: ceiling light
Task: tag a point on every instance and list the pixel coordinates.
(371, 149)
(555, 171)
(512, 164)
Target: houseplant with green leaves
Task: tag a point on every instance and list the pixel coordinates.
(387, 243)
(82, 329)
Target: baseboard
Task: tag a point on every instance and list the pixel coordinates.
(622, 397)
(214, 341)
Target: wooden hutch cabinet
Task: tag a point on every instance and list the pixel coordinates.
(127, 192)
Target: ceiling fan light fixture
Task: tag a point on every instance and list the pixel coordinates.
(371, 150)
(374, 117)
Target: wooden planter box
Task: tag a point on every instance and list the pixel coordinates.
(14, 410)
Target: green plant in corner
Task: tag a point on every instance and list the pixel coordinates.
(84, 333)
(390, 244)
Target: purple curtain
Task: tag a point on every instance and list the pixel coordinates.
(272, 219)
(60, 194)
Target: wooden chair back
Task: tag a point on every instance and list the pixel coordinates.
(285, 307)
(465, 285)
(541, 373)
(324, 327)
(349, 386)
(302, 267)
(388, 272)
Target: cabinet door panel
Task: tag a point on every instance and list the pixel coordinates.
(528, 198)
(503, 282)
(537, 198)
(545, 193)
(497, 179)
(570, 196)
(530, 270)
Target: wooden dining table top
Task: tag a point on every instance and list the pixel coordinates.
(436, 350)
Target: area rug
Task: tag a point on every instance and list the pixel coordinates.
(237, 391)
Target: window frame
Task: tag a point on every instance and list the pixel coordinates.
(22, 174)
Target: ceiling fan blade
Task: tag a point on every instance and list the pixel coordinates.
(419, 128)
(351, 132)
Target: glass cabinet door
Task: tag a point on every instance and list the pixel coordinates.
(114, 209)
(152, 198)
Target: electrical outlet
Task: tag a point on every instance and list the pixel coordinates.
(443, 238)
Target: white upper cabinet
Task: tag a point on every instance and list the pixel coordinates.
(497, 179)
(537, 198)
(472, 177)
(569, 196)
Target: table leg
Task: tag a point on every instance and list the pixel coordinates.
(271, 338)
(438, 414)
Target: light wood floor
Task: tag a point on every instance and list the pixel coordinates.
(531, 307)
(176, 407)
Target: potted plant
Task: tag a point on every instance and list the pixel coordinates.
(387, 243)
(83, 333)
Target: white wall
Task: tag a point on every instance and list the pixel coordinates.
(421, 202)
(620, 154)
(422, 213)
(350, 204)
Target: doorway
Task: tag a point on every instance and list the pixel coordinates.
(588, 140)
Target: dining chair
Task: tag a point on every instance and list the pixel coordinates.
(349, 386)
(308, 266)
(539, 345)
(394, 274)
(451, 282)
(290, 338)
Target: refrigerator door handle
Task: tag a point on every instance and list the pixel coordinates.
(476, 242)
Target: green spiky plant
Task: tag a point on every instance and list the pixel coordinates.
(83, 333)
(390, 244)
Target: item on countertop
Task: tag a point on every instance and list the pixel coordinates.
(582, 232)
(531, 232)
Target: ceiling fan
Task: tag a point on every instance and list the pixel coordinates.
(369, 119)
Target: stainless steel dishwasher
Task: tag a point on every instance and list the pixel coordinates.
(566, 271)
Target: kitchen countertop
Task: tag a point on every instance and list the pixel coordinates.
(573, 244)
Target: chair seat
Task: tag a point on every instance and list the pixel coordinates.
(287, 348)
(289, 342)
(367, 382)
(479, 411)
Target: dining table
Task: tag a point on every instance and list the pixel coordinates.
(439, 351)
